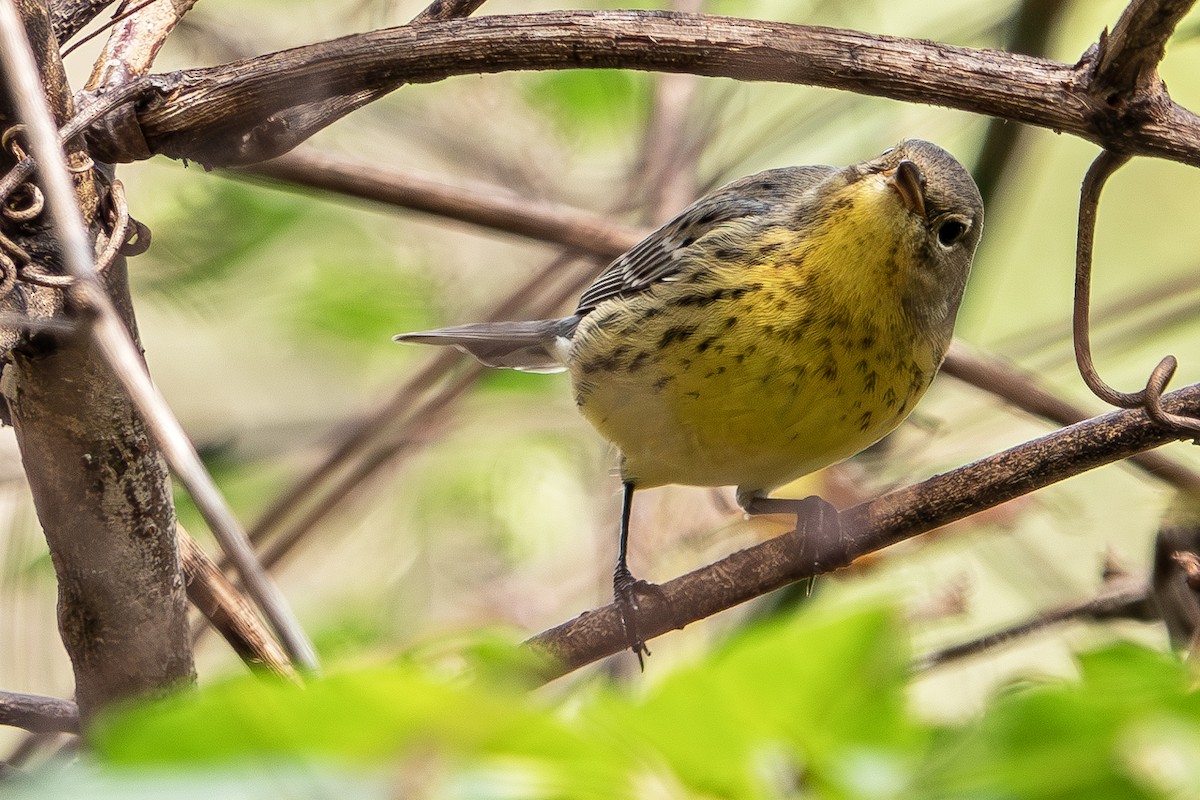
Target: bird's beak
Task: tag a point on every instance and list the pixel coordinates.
(908, 181)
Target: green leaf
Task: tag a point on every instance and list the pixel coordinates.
(818, 697)
(1073, 740)
(385, 715)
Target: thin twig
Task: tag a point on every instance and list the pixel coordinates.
(38, 714)
(1127, 599)
(72, 16)
(114, 341)
(474, 202)
(1022, 390)
(1149, 398)
(129, 12)
(1097, 175)
(870, 526)
(227, 610)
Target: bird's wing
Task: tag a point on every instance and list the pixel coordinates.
(661, 255)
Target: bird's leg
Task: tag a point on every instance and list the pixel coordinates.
(818, 522)
(625, 586)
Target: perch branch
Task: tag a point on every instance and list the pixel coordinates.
(867, 527)
(1022, 391)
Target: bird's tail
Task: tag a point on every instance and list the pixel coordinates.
(538, 346)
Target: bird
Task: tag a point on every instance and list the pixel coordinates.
(778, 325)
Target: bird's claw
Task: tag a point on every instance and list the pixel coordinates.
(626, 589)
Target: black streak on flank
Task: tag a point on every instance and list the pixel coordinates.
(707, 343)
(678, 333)
(864, 421)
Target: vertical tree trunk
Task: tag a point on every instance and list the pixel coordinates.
(100, 484)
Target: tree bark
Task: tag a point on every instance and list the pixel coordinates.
(99, 482)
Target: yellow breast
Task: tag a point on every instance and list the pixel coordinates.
(759, 366)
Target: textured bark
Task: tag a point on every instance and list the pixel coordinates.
(100, 485)
(38, 714)
(257, 108)
(69, 17)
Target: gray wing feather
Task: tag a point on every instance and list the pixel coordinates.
(661, 255)
(537, 346)
(541, 345)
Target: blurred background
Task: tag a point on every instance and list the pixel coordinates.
(484, 501)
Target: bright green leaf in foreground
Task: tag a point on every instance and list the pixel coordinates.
(807, 707)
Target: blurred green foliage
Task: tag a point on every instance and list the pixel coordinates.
(591, 106)
(808, 707)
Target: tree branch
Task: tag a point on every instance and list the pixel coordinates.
(867, 527)
(38, 714)
(72, 16)
(100, 486)
(473, 202)
(231, 114)
(1129, 56)
(1129, 598)
(228, 610)
(1005, 381)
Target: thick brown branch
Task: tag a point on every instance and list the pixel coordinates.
(868, 527)
(229, 114)
(100, 485)
(72, 16)
(38, 714)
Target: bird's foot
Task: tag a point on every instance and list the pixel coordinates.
(772, 505)
(817, 522)
(626, 589)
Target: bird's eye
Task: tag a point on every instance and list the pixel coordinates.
(951, 231)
